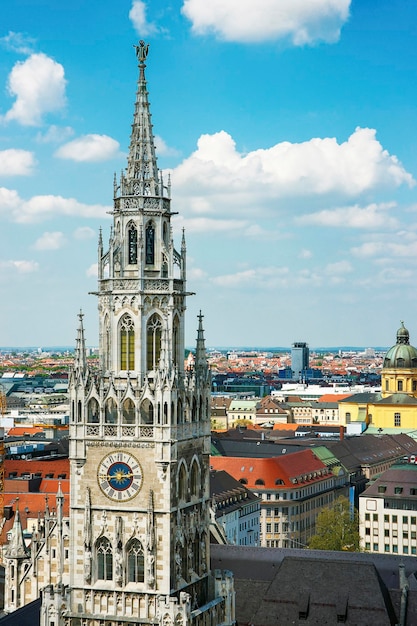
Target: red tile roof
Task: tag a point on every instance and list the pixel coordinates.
(283, 468)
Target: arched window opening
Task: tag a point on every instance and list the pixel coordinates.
(150, 244)
(259, 481)
(159, 413)
(146, 412)
(386, 385)
(127, 343)
(93, 412)
(195, 480)
(175, 341)
(400, 362)
(79, 411)
(73, 411)
(194, 411)
(187, 415)
(182, 483)
(135, 562)
(165, 234)
(172, 413)
(128, 411)
(180, 413)
(133, 245)
(206, 412)
(110, 413)
(200, 408)
(399, 385)
(165, 413)
(104, 559)
(244, 481)
(164, 270)
(153, 341)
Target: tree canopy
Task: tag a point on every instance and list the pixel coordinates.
(337, 528)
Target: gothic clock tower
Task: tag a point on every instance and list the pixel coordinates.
(140, 427)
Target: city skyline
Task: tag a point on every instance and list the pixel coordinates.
(289, 133)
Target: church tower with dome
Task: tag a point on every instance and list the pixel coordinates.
(139, 547)
(399, 371)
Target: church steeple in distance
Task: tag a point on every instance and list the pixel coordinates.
(140, 425)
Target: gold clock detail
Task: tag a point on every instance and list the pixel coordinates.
(120, 476)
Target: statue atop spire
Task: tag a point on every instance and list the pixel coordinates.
(142, 51)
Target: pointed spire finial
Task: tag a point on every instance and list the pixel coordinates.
(142, 51)
(200, 353)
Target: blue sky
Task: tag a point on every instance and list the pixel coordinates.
(289, 128)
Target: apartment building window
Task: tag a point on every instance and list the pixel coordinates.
(268, 528)
(367, 531)
(376, 547)
(386, 532)
(405, 549)
(397, 419)
(276, 528)
(398, 490)
(405, 520)
(375, 517)
(399, 385)
(386, 547)
(367, 546)
(386, 518)
(413, 520)
(367, 517)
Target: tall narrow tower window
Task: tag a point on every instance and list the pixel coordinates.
(135, 562)
(104, 559)
(133, 245)
(153, 341)
(150, 245)
(175, 340)
(127, 343)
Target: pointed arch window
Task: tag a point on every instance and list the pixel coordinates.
(153, 341)
(195, 480)
(128, 411)
(150, 244)
(127, 343)
(110, 412)
(93, 411)
(146, 412)
(132, 245)
(175, 341)
(135, 562)
(104, 559)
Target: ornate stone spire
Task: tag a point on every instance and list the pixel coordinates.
(200, 353)
(142, 177)
(80, 360)
(17, 548)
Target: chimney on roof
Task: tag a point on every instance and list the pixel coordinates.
(342, 433)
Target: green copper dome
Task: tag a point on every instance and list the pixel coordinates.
(402, 355)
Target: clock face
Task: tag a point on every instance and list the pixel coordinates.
(120, 476)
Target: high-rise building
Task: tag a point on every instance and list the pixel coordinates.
(138, 545)
(299, 359)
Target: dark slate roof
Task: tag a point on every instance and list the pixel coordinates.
(228, 493)
(397, 477)
(254, 449)
(281, 586)
(397, 398)
(366, 397)
(28, 615)
(357, 451)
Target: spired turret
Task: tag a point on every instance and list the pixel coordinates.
(399, 371)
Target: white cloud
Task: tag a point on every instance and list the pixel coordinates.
(385, 249)
(50, 241)
(84, 232)
(305, 254)
(163, 149)
(21, 267)
(217, 178)
(55, 134)
(39, 86)
(137, 16)
(372, 216)
(303, 22)
(17, 42)
(41, 208)
(89, 148)
(261, 277)
(92, 271)
(339, 267)
(14, 162)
